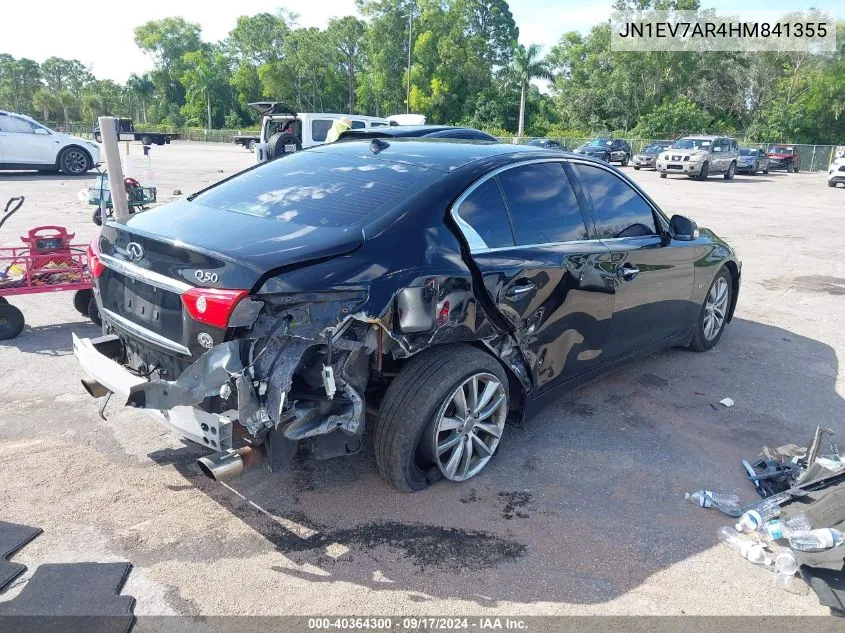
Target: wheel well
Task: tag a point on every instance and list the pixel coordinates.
(74, 146)
(734, 271)
(516, 391)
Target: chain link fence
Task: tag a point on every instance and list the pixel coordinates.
(811, 157)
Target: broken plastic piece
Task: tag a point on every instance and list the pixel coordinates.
(328, 381)
(705, 498)
(728, 402)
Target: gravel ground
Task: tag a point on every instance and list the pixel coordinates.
(582, 511)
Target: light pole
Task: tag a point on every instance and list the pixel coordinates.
(410, 31)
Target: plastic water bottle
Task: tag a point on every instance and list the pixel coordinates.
(753, 519)
(782, 528)
(705, 499)
(785, 567)
(816, 540)
(750, 550)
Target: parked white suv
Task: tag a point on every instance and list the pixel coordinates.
(26, 144)
(284, 131)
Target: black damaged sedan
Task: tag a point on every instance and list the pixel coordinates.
(426, 292)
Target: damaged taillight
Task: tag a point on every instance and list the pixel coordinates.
(212, 306)
(95, 266)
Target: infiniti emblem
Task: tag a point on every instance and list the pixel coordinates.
(135, 251)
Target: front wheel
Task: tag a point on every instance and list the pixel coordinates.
(636, 168)
(442, 416)
(624, 161)
(146, 140)
(74, 161)
(714, 313)
(830, 183)
(98, 137)
(729, 175)
(705, 171)
(11, 321)
(795, 168)
(663, 174)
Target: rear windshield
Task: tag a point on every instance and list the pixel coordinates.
(782, 150)
(319, 189)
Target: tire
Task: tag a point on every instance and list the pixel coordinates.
(81, 298)
(98, 137)
(421, 394)
(74, 161)
(705, 171)
(830, 183)
(11, 321)
(766, 170)
(624, 161)
(251, 145)
(663, 174)
(93, 311)
(795, 168)
(729, 175)
(636, 168)
(277, 142)
(701, 342)
(146, 140)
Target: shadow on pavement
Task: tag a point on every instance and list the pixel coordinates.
(51, 340)
(581, 505)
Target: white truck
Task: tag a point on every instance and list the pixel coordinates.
(284, 131)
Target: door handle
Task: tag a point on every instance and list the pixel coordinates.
(627, 271)
(516, 292)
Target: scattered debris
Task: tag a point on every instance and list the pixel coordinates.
(177, 192)
(706, 498)
(727, 402)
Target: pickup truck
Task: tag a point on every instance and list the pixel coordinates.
(284, 131)
(126, 132)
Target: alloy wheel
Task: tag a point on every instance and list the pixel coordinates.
(76, 162)
(469, 426)
(715, 309)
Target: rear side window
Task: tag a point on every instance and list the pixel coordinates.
(15, 125)
(320, 189)
(618, 209)
(485, 212)
(320, 129)
(543, 205)
(377, 124)
(358, 125)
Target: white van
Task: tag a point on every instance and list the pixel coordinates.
(283, 130)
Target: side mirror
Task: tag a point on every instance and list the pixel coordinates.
(683, 228)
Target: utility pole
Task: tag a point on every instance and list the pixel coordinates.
(410, 31)
(108, 130)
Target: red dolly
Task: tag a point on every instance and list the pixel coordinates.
(48, 262)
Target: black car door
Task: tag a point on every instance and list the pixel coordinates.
(653, 275)
(527, 235)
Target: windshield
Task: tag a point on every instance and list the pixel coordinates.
(748, 152)
(782, 150)
(599, 142)
(654, 148)
(319, 189)
(691, 143)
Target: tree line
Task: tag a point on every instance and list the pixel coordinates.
(467, 67)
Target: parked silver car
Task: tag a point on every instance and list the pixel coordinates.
(699, 156)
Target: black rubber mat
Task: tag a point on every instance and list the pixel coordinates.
(71, 598)
(12, 538)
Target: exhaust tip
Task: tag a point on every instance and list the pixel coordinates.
(94, 389)
(221, 466)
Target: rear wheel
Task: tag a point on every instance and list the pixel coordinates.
(442, 416)
(663, 174)
(11, 321)
(714, 313)
(636, 168)
(98, 137)
(146, 140)
(93, 311)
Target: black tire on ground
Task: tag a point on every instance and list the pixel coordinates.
(81, 299)
(729, 175)
(624, 161)
(636, 168)
(766, 170)
(97, 218)
(663, 174)
(251, 145)
(699, 341)
(146, 140)
(705, 171)
(98, 137)
(794, 168)
(410, 406)
(277, 142)
(830, 183)
(11, 321)
(93, 311)
(74, 161)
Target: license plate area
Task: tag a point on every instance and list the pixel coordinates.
(143, 302)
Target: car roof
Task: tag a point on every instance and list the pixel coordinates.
(441, 154)
(412, 130)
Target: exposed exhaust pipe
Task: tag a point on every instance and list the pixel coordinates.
(228, 464)
(94, 389)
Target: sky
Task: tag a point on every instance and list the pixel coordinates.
(72, 30)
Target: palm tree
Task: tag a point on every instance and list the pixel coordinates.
(525, 67)
(66, 101)
(45, 101)
(143, 88)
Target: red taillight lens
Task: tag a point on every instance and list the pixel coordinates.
(95, 266)
(212, 306)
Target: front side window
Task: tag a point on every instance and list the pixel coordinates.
(320, 129)
(15, 125)
(485, 212)
(543, 205)
(618, 209)
(358, 125)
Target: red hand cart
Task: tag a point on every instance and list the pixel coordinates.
(49, 262)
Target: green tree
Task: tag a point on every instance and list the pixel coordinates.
(45, 101)
(167, 41)
(525, 67)
(205, 78)
(142, 89)
(67, 101)
(346, 36)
